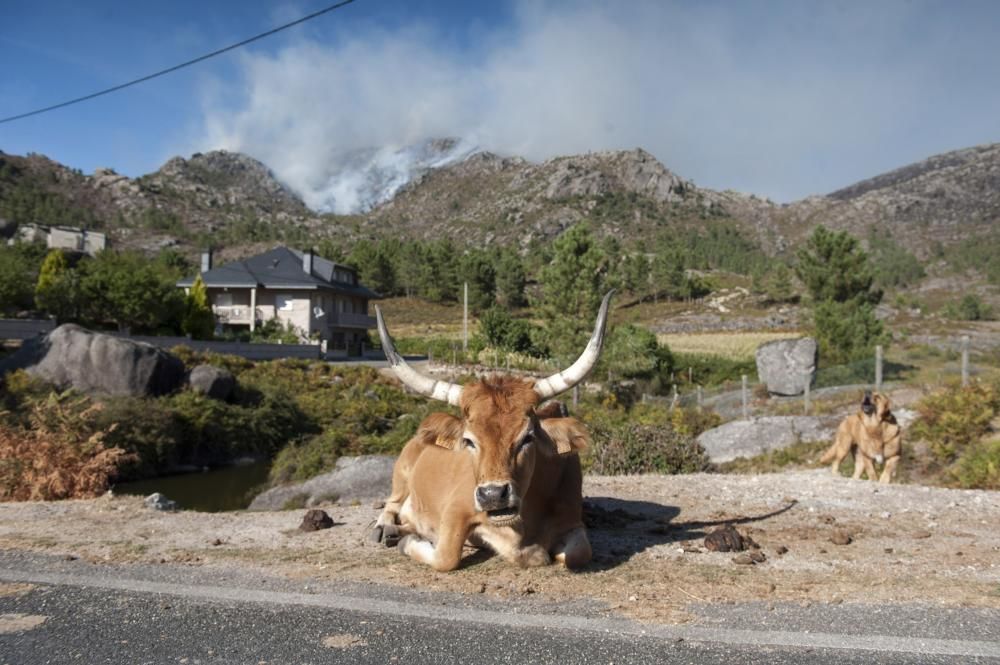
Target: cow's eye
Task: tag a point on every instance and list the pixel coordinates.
(469, 443)
(528, 439)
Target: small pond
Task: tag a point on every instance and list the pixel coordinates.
(215, 490)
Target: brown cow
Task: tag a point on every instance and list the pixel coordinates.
(505, 475)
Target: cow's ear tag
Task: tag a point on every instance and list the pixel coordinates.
(442, 430)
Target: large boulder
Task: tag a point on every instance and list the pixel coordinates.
(211, 381)
(73, 357)
(749, 438)
(353, 479)
(787, 366)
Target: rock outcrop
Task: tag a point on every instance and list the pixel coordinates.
(353, 479)
(787, 366)
(211, 381)
(749, 438)
(73, 357)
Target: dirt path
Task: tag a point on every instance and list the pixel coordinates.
(907, 544)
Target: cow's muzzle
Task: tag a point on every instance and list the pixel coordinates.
(498, 501)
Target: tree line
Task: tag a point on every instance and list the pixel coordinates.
(568, 276)
(123, 290)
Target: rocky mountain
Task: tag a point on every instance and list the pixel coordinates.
(439, 190)
(486, 198)
(186, 202)
(943, 199)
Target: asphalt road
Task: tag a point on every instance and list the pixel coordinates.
(75, 612)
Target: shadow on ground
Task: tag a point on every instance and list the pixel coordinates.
(619, 529)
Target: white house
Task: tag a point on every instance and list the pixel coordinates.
(322, 299)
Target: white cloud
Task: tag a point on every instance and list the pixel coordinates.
(801, 100)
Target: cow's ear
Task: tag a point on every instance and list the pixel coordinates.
(568, 435)
(553, 409)
(440, 429)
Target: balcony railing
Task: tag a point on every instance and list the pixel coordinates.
(232, 313)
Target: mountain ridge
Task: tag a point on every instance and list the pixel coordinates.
(488, 199)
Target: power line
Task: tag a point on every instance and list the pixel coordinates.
(180, 66)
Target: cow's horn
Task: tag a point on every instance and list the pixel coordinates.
(442, 390)
(569, 377)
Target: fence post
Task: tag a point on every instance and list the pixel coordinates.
(805, 396)
(699, 398)
(465, 317)
(673, 402)
(746, 401)
(878, 368)
(576, 396)
(645, 398)
(965, 360)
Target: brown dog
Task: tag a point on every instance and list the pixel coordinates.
(873, 435)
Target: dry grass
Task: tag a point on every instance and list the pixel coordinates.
(734, 346)
(413, 317)
(54, 459)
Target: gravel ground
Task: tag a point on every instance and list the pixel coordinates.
(823, 539)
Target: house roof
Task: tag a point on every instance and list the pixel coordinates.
(279, 268)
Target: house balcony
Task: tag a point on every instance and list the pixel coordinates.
(232, 314)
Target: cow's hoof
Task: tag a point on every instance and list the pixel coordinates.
(534, 556)
(390, 535)
(387, 534)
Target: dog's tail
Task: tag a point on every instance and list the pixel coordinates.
(829, 454)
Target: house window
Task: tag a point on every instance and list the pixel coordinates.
(224, 299)
(284, 302)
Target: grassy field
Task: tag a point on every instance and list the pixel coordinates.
(734, 346)
(412, 317)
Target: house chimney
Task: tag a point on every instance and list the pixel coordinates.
(307, 262)
(206, 260)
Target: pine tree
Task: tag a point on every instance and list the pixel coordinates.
(833, 266)
(199, 321)
(839, 279)
(510, 279)
(56, 291)
(476, 270)
(572, 287)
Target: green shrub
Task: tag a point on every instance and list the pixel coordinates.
(146, 427)
(634, 448)
(304, 459)
(692, 422)
(954, 418)
(970, 308)
(503, 331)
(978, 467)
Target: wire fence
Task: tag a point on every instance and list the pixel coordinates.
(750, 398)
(745, 398)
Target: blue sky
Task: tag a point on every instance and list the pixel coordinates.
(781, 99)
